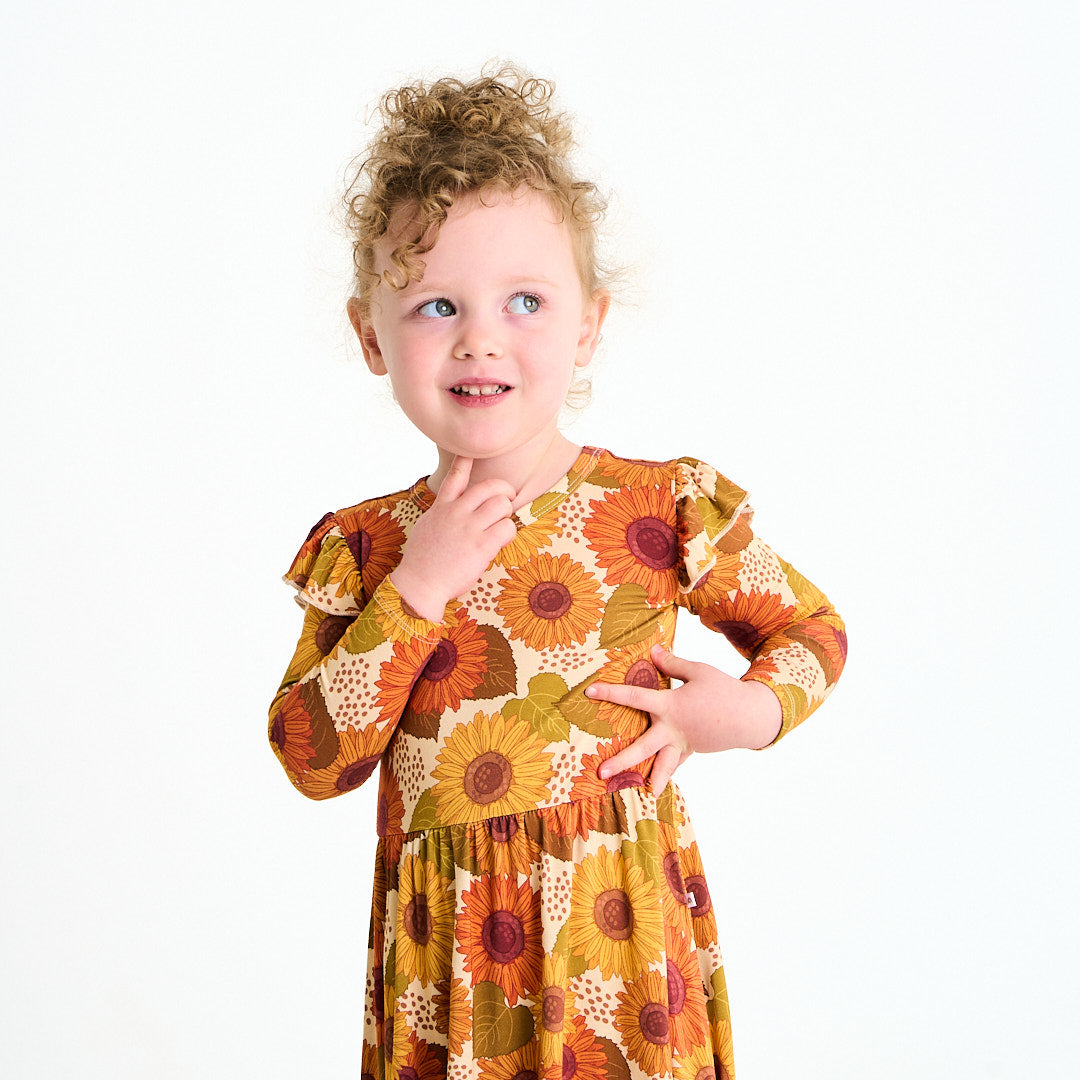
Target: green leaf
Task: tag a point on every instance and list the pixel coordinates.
(665, 806)
(575, 966)
(792, 701)
(498, 1029)
(711, 517)
(583, 712)
(562, 941)
(363, 636)
(540, 711)
(645, 851)
(627, 617)
(425, 816)
(501, 675)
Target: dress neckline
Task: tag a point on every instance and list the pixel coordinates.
(423, 496)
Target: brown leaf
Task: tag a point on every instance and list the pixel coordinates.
(324, 740)
(501, 675)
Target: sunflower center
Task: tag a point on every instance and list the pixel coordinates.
(554, 1008)
(743, 635)
(525, 1074)
(613, 914)
(674, 876)
(676, 988)
(697, 888)
(654, 1023)
(442, 661)
(488, 777)
(503, 828)
(329, 631)
(569, 1063)
(642, 673)
(721, 1069)
(653, 542)
(352, 776)
(706, 1073)
(549, 600)
(503, 936)
(407, 1073)
(418, 923)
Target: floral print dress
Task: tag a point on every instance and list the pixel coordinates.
(530, 919)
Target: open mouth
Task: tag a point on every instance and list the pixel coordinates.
(479, 391)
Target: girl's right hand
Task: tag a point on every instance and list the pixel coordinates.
(455, 540)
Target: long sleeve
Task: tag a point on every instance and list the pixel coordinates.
(739, 587)
(360, 651)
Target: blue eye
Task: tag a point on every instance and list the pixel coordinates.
(523, 304)
(437, 309)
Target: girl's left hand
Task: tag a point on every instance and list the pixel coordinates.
(710, 711)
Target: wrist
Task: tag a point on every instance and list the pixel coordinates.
(426, 602)
(763, 716)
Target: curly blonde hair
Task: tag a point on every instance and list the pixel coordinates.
(444, 139)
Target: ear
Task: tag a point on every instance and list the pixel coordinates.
(592, 321)
(369, 342)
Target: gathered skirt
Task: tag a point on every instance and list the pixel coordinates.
(573, 942)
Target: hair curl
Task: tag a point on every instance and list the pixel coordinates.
(448, 138)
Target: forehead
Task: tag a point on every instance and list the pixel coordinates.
(492, 229)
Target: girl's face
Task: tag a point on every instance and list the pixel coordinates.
(482, 351)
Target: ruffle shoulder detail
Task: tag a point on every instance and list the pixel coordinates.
(713, 518)
(324, 572)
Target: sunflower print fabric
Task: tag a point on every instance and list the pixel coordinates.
(531, 921)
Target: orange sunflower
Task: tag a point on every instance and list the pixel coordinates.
(499, 935)
(685, 992)
(390, 809)
(615, 916)
(588, 785)
(632, 531)
(358, 756)
(699, 899)
(582, 1057)
(644, 1023)
(399, 674)
(748, 619)
(302, 732)
(424, 921)
(453, 1013)
(455, 670)
(490, 767)
(375, 540)
(549, 602)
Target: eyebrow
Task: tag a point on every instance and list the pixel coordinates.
(510, 281)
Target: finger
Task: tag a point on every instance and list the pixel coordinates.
(636, 697)
(493, 510)
(670, 664)
(483, 490)
(638, 751)
(668, 759)
(456, 479)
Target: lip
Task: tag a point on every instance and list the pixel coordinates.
(479, 401)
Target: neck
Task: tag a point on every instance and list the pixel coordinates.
(531, 470)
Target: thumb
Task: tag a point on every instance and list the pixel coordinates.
(670, 664)
(456, 479)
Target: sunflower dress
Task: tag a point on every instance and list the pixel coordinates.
(530, 919)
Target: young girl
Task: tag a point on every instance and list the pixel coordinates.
(498, 636)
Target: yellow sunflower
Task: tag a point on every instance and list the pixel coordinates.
(553, 1005)
(398, 1041)
(424, 921)
(634, 472)
(499, 935)
(504, 847)
(529, 540)
(582, 1057)
(318, 639)
(490, 767)
(723, 1051)
(721, 579)
(644, 1023)
(632, 531)
(453, 1013)
(748, 619)
(369, 1062)
(358, 757)
(398, 621)
(699, 900)
(633, 666)
(520, 1064)
(685, 992)
(550, 602)
(615, 916)
(694, 1062)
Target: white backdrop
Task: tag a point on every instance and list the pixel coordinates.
(852, 229)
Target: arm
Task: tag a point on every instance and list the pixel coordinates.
(773, 616)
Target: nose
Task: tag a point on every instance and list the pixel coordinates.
(477, 339)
